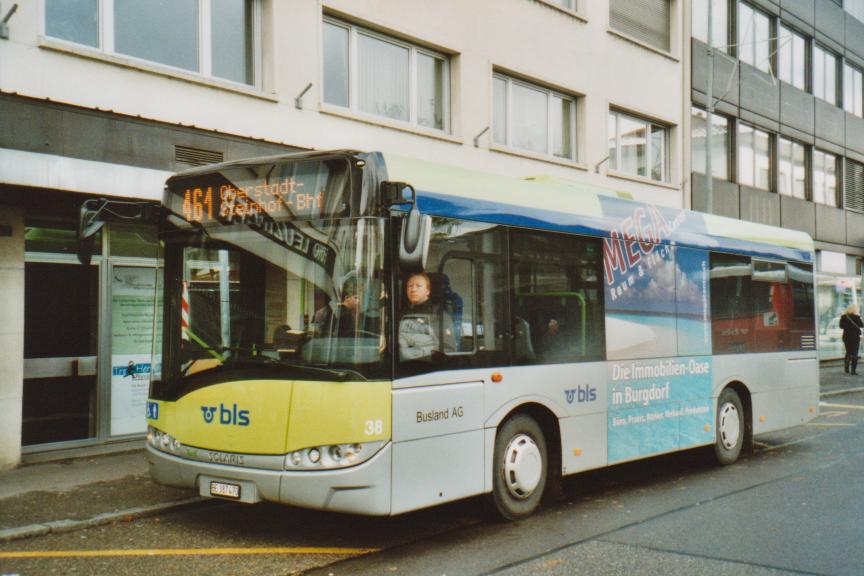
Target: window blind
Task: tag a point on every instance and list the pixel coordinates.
(648, 21)
(853, 187)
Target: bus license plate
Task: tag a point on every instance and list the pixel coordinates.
(225, 490)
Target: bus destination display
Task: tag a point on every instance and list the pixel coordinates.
(277, 192)
(284, 199)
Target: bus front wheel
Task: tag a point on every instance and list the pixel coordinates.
(520, 468)
(730, 427)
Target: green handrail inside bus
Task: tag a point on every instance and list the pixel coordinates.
(204, 345)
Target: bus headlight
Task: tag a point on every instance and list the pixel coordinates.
(314, 455)
(332, 456)
(162, 441)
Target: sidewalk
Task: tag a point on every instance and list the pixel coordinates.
(833, 380)
(77, 493)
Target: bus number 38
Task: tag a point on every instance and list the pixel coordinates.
(373, 427)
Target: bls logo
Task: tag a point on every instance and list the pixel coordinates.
(581, 394)
(208, 411)
(227, 416)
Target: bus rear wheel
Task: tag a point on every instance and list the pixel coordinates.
(730, 426)
(520, 468)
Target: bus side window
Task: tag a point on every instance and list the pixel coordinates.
(731, 304)
(801, 333)
(760, 305)
(467, 301)
(557, 308)
(457, 287)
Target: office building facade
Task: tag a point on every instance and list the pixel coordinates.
(787, 136)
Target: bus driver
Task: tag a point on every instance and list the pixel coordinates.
(418, 329)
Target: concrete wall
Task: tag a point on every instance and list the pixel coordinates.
(11, 335)
(824, 223)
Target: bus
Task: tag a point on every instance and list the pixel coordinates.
(373, 334)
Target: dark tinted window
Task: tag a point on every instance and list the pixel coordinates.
(731, 310)
(557, 302)
(802, 331)
(760, 306)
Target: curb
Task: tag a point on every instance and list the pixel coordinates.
(838, 392)
(61, 526)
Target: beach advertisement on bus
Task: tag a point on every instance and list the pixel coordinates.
(657, 406)
(657, 300)
(658, 335)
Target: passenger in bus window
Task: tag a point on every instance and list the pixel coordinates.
(851, 324)
(523, 350)
(344, 320)
(553, 345)
(421, 322)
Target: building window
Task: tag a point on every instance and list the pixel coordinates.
(754, 37)
(853, 92)
(719, 143)
(533, 118)
(791, 168)
(855, 8)
(378, 75)
(647, 21)
(853, 186)
(720, 22)
(209, 37)
(167, 35)
(336, 40)
(754, 157)
(793, 58)
(637, 146)
(233, 52)
(824, 74)
(76, 22)
(824, 178)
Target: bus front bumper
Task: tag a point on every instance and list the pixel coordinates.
(362, 489)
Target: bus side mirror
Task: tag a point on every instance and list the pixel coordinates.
(89, 224)
(396, 193)
(90, 220)
(414, 242)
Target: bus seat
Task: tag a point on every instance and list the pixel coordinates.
(442, 294)
(286, 341)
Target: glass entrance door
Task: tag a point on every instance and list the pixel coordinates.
(133, 289)
(87, 335)
(61, 306)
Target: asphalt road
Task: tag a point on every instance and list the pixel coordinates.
(794, 506)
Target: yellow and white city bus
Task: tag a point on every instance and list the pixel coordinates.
(372, 334)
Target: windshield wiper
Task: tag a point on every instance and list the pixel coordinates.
(338, 375)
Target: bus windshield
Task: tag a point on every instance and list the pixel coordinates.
(306, 304)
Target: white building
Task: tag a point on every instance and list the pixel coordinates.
(108, 97)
